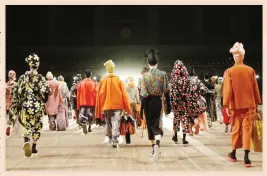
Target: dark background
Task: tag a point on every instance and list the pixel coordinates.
(69, 39)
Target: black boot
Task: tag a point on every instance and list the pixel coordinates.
(174, 137)
(232, 156)
(151, 154)
(246, 159)
(184, 141)
(97, 122)
(84, 128)
(226, 128)
(26, 139)
(128, 138)
(34, 151)
(89, 129)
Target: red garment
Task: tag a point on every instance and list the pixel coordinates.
(226, 118)
(86, 93)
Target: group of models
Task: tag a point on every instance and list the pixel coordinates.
(108, 99)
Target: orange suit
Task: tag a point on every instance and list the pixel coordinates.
(241, 95)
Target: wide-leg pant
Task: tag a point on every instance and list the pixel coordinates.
(152, 108)
(242, 121)
(177, 123)
(86, 115)
(32, 124)
(113, 122)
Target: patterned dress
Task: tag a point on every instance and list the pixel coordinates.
(28, 97)
(185, 94)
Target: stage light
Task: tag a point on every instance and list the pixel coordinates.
(94, 78)
(257, 76)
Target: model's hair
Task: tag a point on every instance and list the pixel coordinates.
(88, 73)
(152, 56)
(191, 71)
(144, 70)
(206, 76)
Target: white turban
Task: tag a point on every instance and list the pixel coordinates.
(220, 80)
(49, 76)
(238, 47)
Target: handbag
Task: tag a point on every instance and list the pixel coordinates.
(123, 127)
(257, 134)
(131, 128)
(130, 125)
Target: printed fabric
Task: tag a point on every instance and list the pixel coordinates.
(154, 83)
(185, 95)
(29, 93)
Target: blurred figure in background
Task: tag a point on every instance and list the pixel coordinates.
(133, 97)
(199, 91)
(73, 97)
(99, 120)
(214, 80)
(86, 100)
(225, 111)
(11, 83)
(209, 97)
(54, 100)
(218, 99)
(65, 96)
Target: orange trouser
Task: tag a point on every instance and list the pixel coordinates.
(242, 127)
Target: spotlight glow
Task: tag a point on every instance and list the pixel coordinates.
(257, 76)
(94, 78)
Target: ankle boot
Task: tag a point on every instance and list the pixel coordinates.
(34, 151)
(89, 129)
(174, 137)
(232, 156)
(184, 141)
(226, 128)
(247, 162)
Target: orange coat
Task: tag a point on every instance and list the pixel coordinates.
(111, 94)
(86, 93)
(240, 88)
